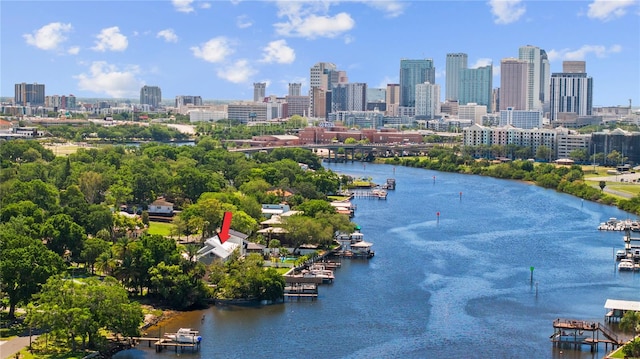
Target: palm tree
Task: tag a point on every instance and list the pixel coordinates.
(631, 322)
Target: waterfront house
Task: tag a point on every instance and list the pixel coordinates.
(213, 248)
(161, 207)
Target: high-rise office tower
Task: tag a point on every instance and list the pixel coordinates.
(574, 67)
(537, 77)
(392, 99)
(413, 72)
(427, 100)
(513, 84)
(259, 91)
(475, 86)
(150, 95)
(455, 63)
(545, 78)
(29, 94)
(319, 77)
(294, 89)
(349, 97)
(571, 92)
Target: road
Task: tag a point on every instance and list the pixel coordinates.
(8, 349)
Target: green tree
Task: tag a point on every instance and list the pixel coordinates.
(72, 309)
(93, 249)
(25, 264)
(630, 322)
(63, 236)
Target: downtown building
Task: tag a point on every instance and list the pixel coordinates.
(427, 100)
(514, 91)
(571, 92)
(349, 97)
(186, 100)
(151, 95)
(476, 86)
(29, 94)
(60, 102)
(259, 91)
(413, 72)
(456, 62)
(392, 99)
(538, 74)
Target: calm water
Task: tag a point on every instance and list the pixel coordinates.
(453, 286)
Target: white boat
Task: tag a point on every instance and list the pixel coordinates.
(621, 254)
(185, 335)
(625, 264)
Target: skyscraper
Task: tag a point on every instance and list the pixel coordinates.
(413, 72)
(259, 91)
(185, 100)
(427, 100)
(294, 89)
(320, 78)
(29, 94)
(349, 97)
(455, 63)
(513, 84)
(475, 86)
(571, 92)
(150, 95)
(392, 99)
(537, 76)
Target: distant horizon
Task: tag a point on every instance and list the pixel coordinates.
(218, 49)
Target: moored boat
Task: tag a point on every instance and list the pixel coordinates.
(185, 335)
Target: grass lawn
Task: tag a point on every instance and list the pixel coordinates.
(161, 228)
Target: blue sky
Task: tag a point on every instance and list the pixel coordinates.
(217, 49)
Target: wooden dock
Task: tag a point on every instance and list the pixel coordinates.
(159, 343)
(572, 332)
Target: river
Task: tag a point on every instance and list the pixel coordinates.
(451, 278)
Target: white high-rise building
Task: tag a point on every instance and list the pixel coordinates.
(537, 77)
(427, 100)
(455, 63)
(472, 111)
(571, 92)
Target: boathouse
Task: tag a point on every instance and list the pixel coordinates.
(616, 309)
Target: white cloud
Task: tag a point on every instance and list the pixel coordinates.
(482, 62)
(239, 72)
(104, 78)
(243, 22)
(214, 50)
(111, 39)
(168, 35)
(310, 19)
(204, 5)
(608, 9)
(74, 50)
(599, 51)
(183, 5)
(388, 80)
(506, 11)
(49, 37)
(349, 39)
(314, 26)
(278, 52)
(391, 8)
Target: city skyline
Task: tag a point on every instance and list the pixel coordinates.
(218, 50)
